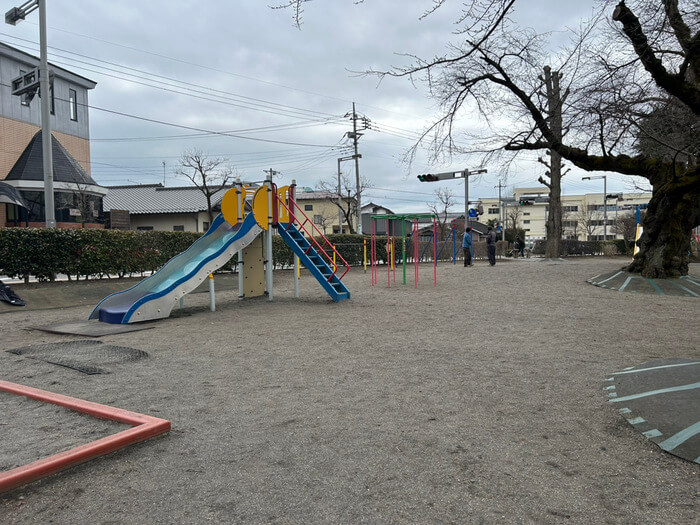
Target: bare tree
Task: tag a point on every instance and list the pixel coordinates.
(587, 219)
(629, 59)
(626, 225)
(346, 201)
(513, 216)
(79, 199)
(209, 175)
(440, 207)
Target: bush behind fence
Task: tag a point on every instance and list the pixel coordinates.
(44, 253)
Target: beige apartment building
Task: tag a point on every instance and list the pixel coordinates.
(582, 215)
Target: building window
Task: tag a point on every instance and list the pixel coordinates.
(308, 207)
(179, 228)
(493, 211)
(527, 213)
(145, 228)
(318, 219)
(526, 222)
(23, 100)
(52, 101)
(73, 104)
(569, 208)
(205, 226)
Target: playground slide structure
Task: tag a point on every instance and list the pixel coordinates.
(231, 231)
(155, 296)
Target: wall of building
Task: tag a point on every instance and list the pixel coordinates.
(321, 208)
(11, 106)
(191, 222)
(16, 136)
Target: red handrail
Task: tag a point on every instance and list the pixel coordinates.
(293, 217)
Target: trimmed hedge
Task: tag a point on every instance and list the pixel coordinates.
(92, 253)
(575, 247)
(43, 253)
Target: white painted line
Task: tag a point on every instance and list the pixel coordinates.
(691, 292)
(652, 433)
(629, 371)
(611, 387)
(611, 277)
(612, 394)
(610, 379)
(680, 437)
(627, 281)
(636, 420)
(691, 386)
(624, 411)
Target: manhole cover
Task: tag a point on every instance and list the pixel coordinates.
(87, 356)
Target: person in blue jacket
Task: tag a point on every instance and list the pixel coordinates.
(467, 247)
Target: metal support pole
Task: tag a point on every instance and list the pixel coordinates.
(340, 202)
(466, 199)
(268, 238)
(241, 204)
(49, 210)
(212, 296)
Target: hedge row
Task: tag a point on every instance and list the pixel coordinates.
(575, 247)
(44, 253)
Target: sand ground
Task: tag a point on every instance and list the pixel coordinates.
(479, 400)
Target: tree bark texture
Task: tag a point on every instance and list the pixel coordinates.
(554, 224)
(672, 213)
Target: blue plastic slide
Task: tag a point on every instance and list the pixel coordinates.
(155, 296)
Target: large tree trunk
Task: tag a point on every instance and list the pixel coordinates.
(672, 213)
(554, 103)
(554, 226)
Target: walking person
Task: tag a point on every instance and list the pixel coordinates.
(491, 240)
(467, 247)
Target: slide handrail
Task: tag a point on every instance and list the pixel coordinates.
(294, 212)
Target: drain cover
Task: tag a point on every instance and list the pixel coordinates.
(87, 356)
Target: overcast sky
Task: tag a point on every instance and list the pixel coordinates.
(167, 71)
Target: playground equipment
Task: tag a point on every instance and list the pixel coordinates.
(144, 427)
(233, 231)
(391, 244)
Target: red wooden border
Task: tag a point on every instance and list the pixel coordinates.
(144, 427)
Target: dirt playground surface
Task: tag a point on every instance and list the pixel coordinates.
(479, 400)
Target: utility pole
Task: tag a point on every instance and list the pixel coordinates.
(355, 136)
(12, 17)
(503, 225)
(271, 173)
(164, 174)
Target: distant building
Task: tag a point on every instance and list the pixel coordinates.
(321, 208)
(78, 198)
(155, 207)
(582, 215)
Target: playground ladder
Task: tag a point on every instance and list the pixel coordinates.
(316, 264)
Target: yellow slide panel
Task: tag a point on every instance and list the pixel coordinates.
(229, 205)
(261, 207)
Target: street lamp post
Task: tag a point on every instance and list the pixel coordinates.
(605, 202)
(340, 206)
(12, 17)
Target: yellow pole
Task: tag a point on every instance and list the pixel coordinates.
(298, 268)
(364, 250)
